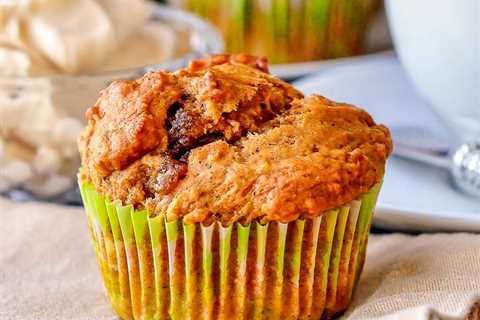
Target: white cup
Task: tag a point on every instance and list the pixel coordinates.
(438, 42)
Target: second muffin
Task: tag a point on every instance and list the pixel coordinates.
(218, 191)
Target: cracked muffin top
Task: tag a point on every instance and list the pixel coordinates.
(223, 140)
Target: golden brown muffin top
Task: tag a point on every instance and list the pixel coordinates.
(224, 140)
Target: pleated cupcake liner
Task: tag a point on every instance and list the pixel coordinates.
(158, 269)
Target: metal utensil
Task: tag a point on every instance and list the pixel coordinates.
(421, 145)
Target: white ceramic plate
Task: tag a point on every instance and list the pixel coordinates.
(299, 69)
(414, 197)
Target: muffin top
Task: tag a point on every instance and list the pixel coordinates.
(224, 140)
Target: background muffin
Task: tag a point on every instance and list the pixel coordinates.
(228, 184)
(316, 29)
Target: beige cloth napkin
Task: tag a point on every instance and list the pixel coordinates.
(48, 271)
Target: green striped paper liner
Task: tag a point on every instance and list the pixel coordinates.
(158, 269)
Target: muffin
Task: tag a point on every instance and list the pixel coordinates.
(220, 192)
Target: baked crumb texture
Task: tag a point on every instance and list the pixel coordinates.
(223, 140)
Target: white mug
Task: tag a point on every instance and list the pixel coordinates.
(438, 43)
